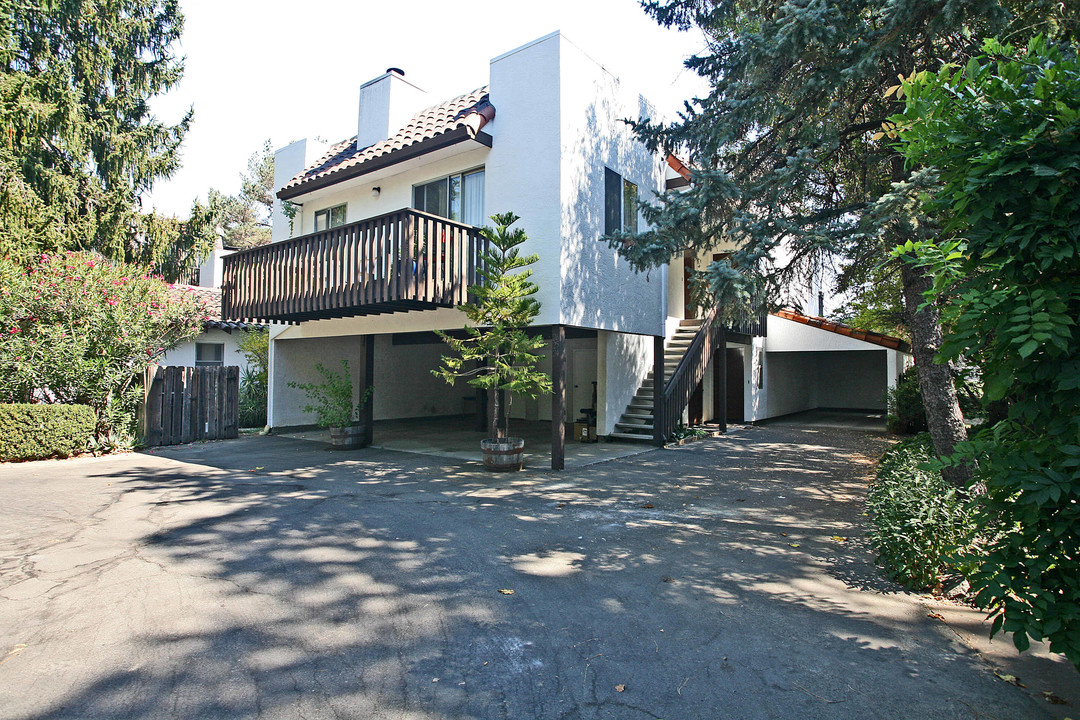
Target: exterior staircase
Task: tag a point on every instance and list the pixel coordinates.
(636, 424)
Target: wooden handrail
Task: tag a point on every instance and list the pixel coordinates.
(688, 374)
(406, 259)
(691, 368)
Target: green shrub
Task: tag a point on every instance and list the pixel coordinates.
(906, 413)
(76, 329)
(919, 521)
(34, 432)
(255, 346)
(252, 399)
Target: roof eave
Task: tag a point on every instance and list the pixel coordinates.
(458, 135)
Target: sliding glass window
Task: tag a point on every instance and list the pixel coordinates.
(457, 197)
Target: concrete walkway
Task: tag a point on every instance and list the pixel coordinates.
(265, 577)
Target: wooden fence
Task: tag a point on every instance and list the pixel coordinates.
(185, 404)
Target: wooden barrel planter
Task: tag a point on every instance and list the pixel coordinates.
(504, 455)
(347, 438)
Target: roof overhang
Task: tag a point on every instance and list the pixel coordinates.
(868, 336)
(463, 134)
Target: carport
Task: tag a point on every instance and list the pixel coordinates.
(415, 411)
(814, 364)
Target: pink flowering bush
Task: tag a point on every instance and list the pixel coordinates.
(75, 328)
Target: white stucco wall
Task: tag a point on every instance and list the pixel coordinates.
(790, 336)
(523, 169)
(289, 161)
(184, 354)
(599, 289)
(395, 189)
(623, 360)
(294, 360)
(405, 387)
(849, 379)
(755, 368)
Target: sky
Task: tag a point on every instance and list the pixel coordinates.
(283, 71)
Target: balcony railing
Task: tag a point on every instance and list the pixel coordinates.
(404, 260)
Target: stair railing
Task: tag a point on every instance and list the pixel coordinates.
(688, 374)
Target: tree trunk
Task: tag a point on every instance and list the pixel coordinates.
(943, 416)
(493, 414)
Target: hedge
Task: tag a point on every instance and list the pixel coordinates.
(920, 522)
(34, 432)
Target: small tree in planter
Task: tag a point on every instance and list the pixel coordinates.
(497, 342)
(331, 402)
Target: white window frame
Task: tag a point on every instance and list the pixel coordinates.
(628, 216)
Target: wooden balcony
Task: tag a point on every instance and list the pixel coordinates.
(401, 261)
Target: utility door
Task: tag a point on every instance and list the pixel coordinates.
(735, 385)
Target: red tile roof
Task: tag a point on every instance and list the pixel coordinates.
(211, 302)
(467, 113)
(874, 338)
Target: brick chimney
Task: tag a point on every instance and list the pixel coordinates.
(386, 104)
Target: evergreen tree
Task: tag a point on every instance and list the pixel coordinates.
(80, 145)
(498, 353)
(785, 159)
(247, 216)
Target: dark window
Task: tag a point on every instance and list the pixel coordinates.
(612, 202)
(620, 204)
(209, 354)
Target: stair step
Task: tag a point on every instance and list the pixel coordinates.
(634, 427)
(637, 416)
(632, 437)
(690, 323)
(640, 406)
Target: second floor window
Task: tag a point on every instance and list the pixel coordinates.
(620, 204)
(457, 197)
(329, 218)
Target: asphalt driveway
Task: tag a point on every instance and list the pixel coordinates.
(269, 578)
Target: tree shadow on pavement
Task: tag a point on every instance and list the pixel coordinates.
(725, 578)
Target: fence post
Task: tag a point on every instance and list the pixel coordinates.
(659, 411)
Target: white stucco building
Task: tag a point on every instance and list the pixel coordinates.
(367, 268)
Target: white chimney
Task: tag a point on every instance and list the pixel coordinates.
(289, 162)
(386, 104)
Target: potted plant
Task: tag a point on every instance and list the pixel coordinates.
(498, 354)
(331, 402)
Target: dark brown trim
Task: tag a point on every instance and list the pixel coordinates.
(676, 183)
(427, 337)
(720, 382)
(369, 381)
(558, 397)
(394, 157)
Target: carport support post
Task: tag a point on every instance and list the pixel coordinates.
(558, 397)
(720, 381)
(658, 391)
(369, 381)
